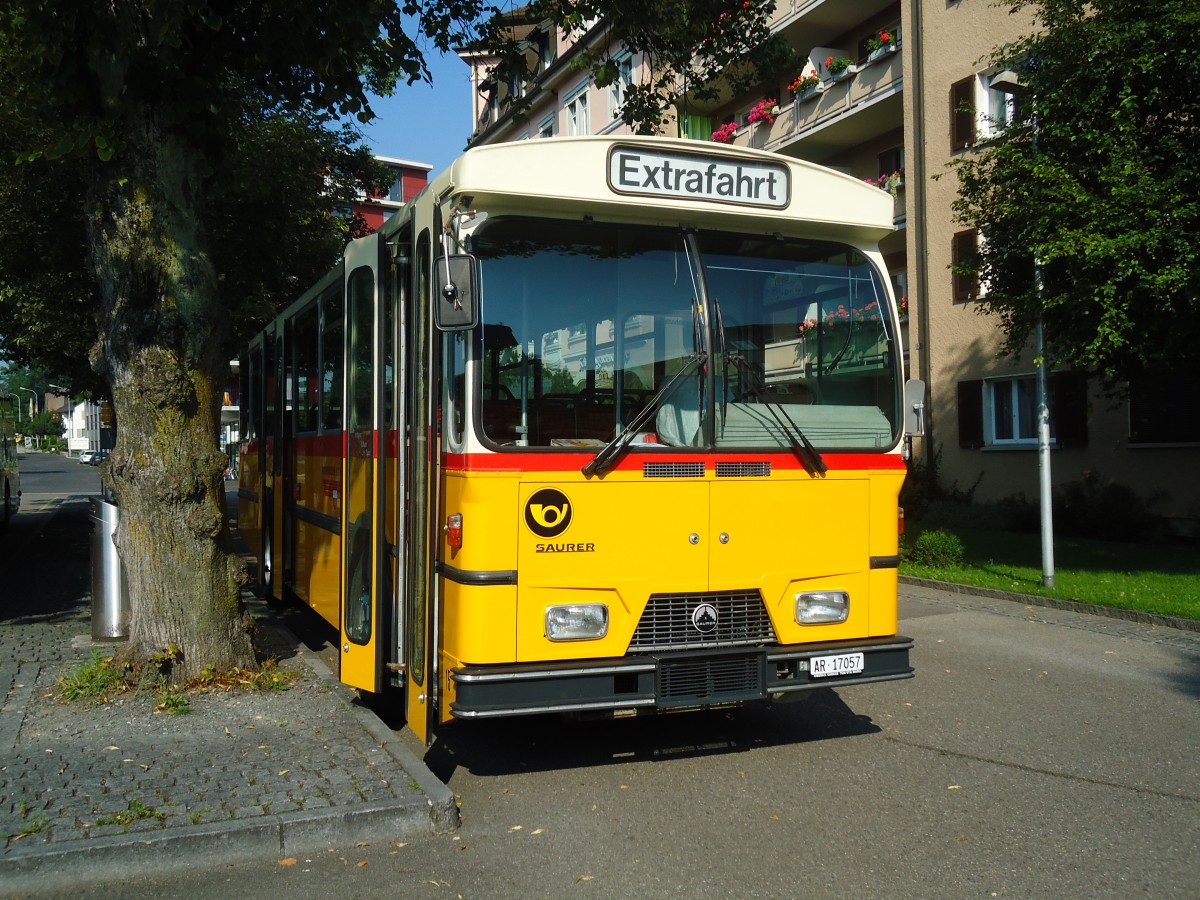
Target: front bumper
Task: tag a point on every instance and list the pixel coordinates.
(668, 680)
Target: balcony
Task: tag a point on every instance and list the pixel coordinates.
(844, 113)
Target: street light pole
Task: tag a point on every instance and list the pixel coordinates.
(32, 401)
(70, 416)
(1010, 83)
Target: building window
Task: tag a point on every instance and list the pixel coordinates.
(964, 252)
(1001, 108)
(890, 161)
(1010, 411)
(493, 102)
(1002, 412)
(546, 127)
(962, 113)
(620, 84)
(577, 113)
(515, 87)
(1164, 411)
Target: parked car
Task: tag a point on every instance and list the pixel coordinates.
(99, 456)
(86, 456)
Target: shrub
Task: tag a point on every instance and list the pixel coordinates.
(1105, 511)
(938, 548)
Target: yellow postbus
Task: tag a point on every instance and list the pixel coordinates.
(592, 424)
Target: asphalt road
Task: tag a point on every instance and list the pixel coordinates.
(1037, 753)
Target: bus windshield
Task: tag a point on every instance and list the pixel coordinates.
(585, 325)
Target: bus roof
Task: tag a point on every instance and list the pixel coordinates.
(655, 178)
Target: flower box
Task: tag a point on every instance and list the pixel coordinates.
(810, 93)
(882, 51)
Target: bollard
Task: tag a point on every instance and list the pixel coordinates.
(110, 594)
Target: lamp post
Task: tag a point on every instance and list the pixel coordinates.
(70, 416)
(1009, 82)
(32, 401)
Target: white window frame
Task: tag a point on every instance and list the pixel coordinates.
(575, 103)
(546, 127)
(1007, 397)
(616, 90)
(994, 110)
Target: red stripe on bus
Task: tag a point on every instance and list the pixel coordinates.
(565, 462)
(318, 444)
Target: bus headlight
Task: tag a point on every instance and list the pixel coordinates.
(822, 607)
(577, 622)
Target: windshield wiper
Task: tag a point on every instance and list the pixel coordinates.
(610, 452)
(809, 456)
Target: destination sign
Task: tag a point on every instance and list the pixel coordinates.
(686, 176)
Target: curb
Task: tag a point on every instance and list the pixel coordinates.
(91, 860)
(218, 843)
(443, 808)
(1093, 609)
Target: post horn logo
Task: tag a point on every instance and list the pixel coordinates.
(548, 513)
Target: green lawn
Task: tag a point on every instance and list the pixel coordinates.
(1152, 578)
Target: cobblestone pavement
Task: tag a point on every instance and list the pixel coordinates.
(87, 792)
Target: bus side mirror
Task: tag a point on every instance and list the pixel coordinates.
(914, 407)
(456, 293)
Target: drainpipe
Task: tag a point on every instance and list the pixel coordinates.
(914, 85)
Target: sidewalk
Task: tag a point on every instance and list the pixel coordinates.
(96, 793)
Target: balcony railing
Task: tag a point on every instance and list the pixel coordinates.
(868, 83)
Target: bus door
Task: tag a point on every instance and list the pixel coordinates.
(269, 462)
(250, 450)
(363, 617)
(417, 581)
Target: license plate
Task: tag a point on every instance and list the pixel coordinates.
(842, 664)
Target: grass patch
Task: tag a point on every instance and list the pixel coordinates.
(268, 677)
(102, 678)
(173, 704)
(95, 682)
(1152, 578)
(137, 810)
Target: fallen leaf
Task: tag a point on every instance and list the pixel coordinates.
(290, 861)
(538, 831)
(361, 863)
(283, 772)
(112, 747)
(954, 787)
(516, 828)
(586, 878)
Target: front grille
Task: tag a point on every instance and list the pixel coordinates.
(724, 678)
(743, 470)
(673, 470)
(667, 623)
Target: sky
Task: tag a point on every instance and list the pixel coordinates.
(425, 123)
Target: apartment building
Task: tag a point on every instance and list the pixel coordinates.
(893, 91)
(408, 179)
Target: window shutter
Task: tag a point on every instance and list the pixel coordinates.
(970, 414)
(1068, 405)
(962, 114)
(965, 249)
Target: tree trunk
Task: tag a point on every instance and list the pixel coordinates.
(162, 350)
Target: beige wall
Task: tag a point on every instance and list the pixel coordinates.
(945, 42)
